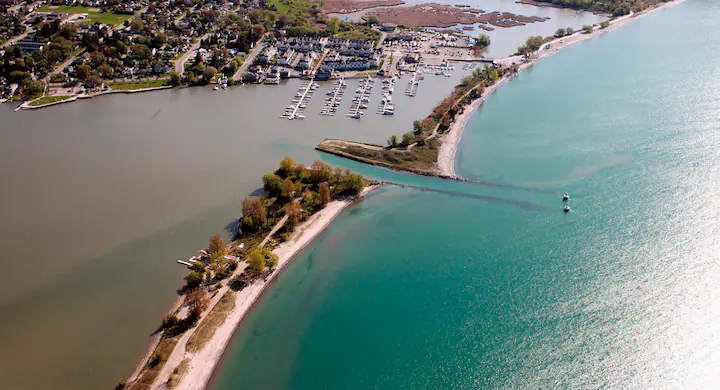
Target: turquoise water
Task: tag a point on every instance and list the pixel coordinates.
(493, 286)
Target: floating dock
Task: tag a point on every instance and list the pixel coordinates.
(333, 102)
(299, 103)
(362, 98)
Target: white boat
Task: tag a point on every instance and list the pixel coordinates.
(566, 209)
(300, 116)
(363, 106)
(356, 115)
(215, 88)
(566, 196)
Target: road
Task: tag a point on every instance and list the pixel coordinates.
(180, 63)
(249, 60)
(17, 38)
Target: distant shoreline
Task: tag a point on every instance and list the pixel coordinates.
(447, 156)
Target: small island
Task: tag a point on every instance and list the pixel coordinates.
(297, 203)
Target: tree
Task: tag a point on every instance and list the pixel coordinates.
(287, 166)
(194, 279)
(407, 139)
(294, 212)
(482, 43)
(197, 301)
(587, 29)
(319, 172)
(272, 183)
(333, 25)
(93, 81)
(254, 214)
(604, 24)
(371, 19)
(83, 71)
(271, 259)
(217, 245)
(560, 33)
(209, 74)
(534, 43)
(288, 188)
(324, 190)
(568, 31)
(106, 71)
(256, 261)
(393, 141)
(174, 77)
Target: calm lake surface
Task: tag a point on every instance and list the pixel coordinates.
(493, 286)
(505, 41)
(101, 197)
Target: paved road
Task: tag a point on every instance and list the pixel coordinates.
(17, 38)
(248, 61)
(180, 63)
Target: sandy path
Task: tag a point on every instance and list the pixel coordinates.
(450, 141)
(203, 362)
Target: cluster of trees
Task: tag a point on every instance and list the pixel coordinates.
(469, 89)
(481, 44)
(297, 191)
(563, 32)
(533, 44)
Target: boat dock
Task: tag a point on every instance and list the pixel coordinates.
(386, 106)
(333, 102)
(297, 106)
(362, 97)
(411, 89)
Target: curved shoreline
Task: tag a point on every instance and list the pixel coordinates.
(203, 363)
(447, 156)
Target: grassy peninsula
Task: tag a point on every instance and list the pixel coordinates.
(297, 203)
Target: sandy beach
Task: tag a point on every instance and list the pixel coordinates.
(450, 141)
(204, 361)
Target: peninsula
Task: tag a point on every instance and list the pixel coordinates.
(297, 204)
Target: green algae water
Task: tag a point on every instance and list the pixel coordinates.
(493, 286)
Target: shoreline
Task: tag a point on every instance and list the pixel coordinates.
(26, 105)
(447, 156)
(203, 363)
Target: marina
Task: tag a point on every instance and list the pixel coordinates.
(334, 99)
(297, 106)
(412, 86)
(361, 99)
(386, 106)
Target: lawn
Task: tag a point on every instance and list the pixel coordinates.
(132, 85)
(49, 99)
(92, 17)
(285, 7)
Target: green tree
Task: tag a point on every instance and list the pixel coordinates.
(174, 77)
(560, 33)
(209, 74)
(83, 71)
(194, 279)
(106, 71)
(587, 29)
(568, 31)
(287, 166)
(333, 25)
(393, 141)
(272, 183)
(256, 261)
(604, 24)
(482, 43)
(372, 19)
(407, 139)
(534, 43)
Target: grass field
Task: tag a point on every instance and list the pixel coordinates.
(132, 85)
(93, 16)
(49, 99)
(285, 7)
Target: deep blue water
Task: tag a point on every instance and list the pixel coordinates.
(493, 286)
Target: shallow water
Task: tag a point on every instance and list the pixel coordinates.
(417, 289)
